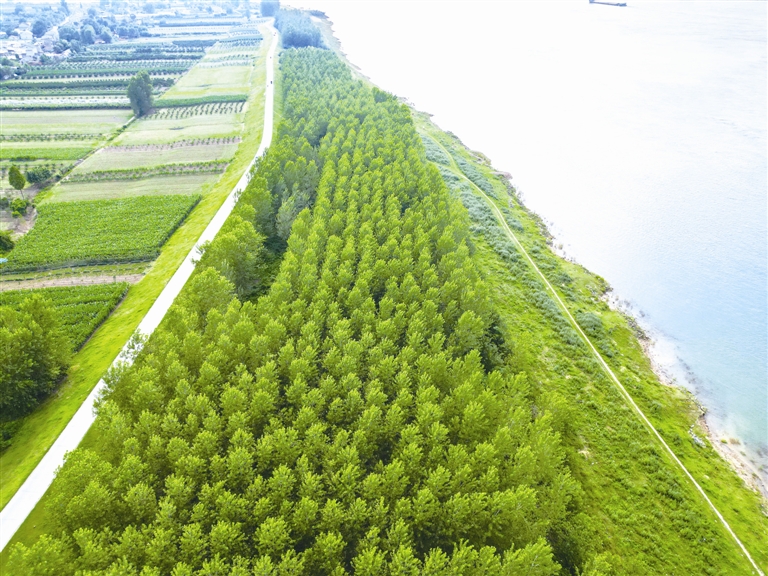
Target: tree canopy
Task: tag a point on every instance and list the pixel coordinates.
(362, 416)
(297, 29)
(16, 179)
(140, 93)
(34, 354)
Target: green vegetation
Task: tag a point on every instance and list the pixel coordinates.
(213, 167)
(171, 103)
(269, 7)
(99, 231)
(140, 94)
(651, 518)
(40, 329)
(34, 354)
(97, 122)
(361, 415)
(16, 178)
(297, 29)
(6, 242)
(176, 112)
(200, 183)
(80, 309)
(61, 150)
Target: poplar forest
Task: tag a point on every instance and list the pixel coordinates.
(339, 389)
(358, 416)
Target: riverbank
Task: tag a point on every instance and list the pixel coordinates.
(662, 358)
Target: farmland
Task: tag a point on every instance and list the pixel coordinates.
(154, 130)
(81, 308)
(110, 157)
(60, 150)
(30, 124)
(156, 186)
(98, 232)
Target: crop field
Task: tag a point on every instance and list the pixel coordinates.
(57, 150)
(99, 232)
(188, 30)
(81, 308)
(205, 81)
(195, 183)
(199, 110)
(74, 101)
(165, 131)
(208, 167)
(62, 122)
(109, 158)
(97, 66)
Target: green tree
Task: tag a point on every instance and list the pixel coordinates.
(40, 27)
(87, 34)
(237, 253)
(140, 93)
(34, 353)
(16, 178)
(68, 32)
(6, 242)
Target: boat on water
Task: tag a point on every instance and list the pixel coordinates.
(608, 3)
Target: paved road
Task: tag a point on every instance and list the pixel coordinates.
(25, 499)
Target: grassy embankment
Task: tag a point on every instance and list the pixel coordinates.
(650, 516)
(42, 427)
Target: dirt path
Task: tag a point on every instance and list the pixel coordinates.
(68, 281)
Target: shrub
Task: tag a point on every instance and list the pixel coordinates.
(19, 207)
(37, 175)
(6, 242)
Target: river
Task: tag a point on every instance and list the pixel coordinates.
(638, 134)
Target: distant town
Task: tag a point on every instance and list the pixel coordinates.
(46, 34)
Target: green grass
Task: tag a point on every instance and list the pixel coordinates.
(651, 518)
(155, 186)
(41, 428)
(110, 158)
(99, 231)
(62, 122)
(58, 151)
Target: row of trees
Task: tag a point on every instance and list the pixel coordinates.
(361, 416)
(297, 29)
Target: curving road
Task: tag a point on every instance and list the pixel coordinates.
(37, 483)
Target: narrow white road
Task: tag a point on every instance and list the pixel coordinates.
(37, 483)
